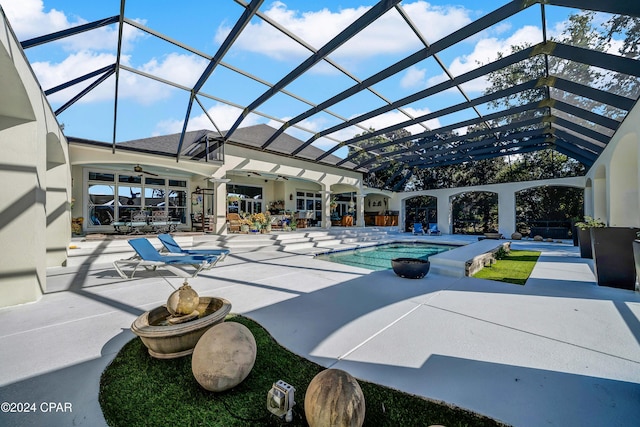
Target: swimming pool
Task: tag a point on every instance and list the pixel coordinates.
(379, 257)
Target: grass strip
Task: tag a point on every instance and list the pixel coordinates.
(138, 390)
(515, 268)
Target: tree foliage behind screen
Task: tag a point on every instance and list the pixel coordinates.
(584, 29)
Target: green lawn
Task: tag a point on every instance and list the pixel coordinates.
(514, 268)
(138, 390)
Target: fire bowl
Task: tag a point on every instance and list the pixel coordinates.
(410, 268)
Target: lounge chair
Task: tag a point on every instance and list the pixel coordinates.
(433, 230)
(174, 248)
(417, 228)
(148, 257)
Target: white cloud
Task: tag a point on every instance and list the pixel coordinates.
(486, 50)
(183, 69)
(435, 22)
(28, 18)
(223, 115)
(319, 27)
(75, 65)
(413, 78)
(316, 28)
(105, 38)
(178, 68)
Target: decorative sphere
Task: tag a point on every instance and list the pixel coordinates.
(538, 238)
(223, 356)
(183, 301)
(516, 236)
(334, 398)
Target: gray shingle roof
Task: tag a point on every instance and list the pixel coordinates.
(251, 137)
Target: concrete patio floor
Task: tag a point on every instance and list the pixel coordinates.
(559, 351)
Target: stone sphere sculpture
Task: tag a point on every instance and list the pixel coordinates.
(334, 398)
(223, 356)
(516, 236)
(183, 301)
(538, 238)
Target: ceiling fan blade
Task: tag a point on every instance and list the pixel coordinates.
(150, 173)
(255, 173)
(283, 177)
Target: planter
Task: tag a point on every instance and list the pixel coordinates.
(574, 233)
(410, 268)
(636, 257)
(612, 249)
(584, 242)
(166, 341)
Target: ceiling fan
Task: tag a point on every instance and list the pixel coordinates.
(138, 169)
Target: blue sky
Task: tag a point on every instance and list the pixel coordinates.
(149, 108)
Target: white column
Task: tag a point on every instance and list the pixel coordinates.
(360, 209)
(326, 208)
(507, 213)
(220, 204)
(444, 213)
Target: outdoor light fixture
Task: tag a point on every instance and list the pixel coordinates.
(280, 400)
(291, 196)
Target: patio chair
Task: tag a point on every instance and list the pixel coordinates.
(433, 230)
(148, 257)
(234, 221)
(417, 228)
(173, 247)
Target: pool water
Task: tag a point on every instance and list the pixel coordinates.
(379, 257)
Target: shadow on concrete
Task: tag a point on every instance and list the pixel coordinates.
(74, 387)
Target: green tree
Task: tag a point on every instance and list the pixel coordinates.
(365, 150)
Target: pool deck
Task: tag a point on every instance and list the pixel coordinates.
(559, 351)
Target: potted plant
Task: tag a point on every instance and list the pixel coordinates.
(612, 249)
(267, 224)
(584, 234)
(76, 226)
(259, 221)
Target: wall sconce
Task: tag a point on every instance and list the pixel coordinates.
(198, 189)
(291, 196)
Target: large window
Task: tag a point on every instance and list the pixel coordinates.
(244, 198)
(310, 203)
(116, 197)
